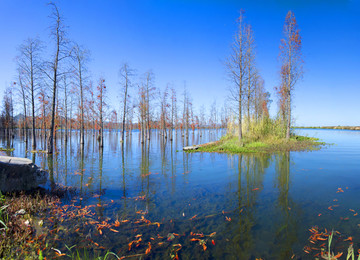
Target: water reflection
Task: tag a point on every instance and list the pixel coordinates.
(251, 169)
(286, 231)
(248, 200)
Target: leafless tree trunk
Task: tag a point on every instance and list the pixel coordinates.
(236, 65)
(101, 106)
(147, 95)
(28, 66)
(8, 113)
(291, 58)
(213, 115)
(164, 112)
(81, 58)
(66, 107)
(251, 70)
(142, 113)
(22, 91)
(186, 112)
(173, 119)
(125, 74)
(149, 90)
(61, 52)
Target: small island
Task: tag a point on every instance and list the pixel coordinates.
(264, 136)
(230, 144)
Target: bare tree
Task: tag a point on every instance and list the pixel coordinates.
(146, 95)
(173, 119)
(44, 105)
(8, 112)
(149, 95)
(213, 115)
(125, 76)
(22, 89)
(58, 33)
(261, 99)
(28, 63)
(142, 107)
(224, 117)
(292, 62)
(186, 112)
(164, 111)
(251, 71)
(202, 118)
(236, 65)
(101, 95)
(66, 104)
(80, 57)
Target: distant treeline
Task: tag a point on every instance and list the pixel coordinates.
(330, 127)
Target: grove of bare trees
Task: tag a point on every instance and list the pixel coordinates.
(56, 96)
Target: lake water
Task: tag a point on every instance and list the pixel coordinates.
(259, 205)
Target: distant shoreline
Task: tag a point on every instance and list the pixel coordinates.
(330, 127)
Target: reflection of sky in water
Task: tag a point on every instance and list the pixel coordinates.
(272, 203)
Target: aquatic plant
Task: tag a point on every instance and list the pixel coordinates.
(3, 219)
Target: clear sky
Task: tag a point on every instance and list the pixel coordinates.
(190, 40)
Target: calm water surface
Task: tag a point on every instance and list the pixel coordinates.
(259, 205)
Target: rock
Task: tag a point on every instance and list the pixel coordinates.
(195, 147)
(189, 148)
(20, 212)
(20, 174)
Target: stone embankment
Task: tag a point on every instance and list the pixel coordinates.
(20, 174)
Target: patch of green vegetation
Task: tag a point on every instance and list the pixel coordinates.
(265, 135)
(78, 254)
(231, 144)
(16, 235)
(6, 149)
(257, 144)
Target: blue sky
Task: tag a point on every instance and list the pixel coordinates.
(190, 40)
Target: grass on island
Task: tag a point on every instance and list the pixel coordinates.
(267, 135)
(231, 144)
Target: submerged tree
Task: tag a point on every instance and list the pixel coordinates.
(101, 95)
(186, 112)
(7, 118)
(164, 113)
(173, 113)
(291, 64)
(125, 76)
(58, 33)
(81, 57)
(22, 91)
(28, 63)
